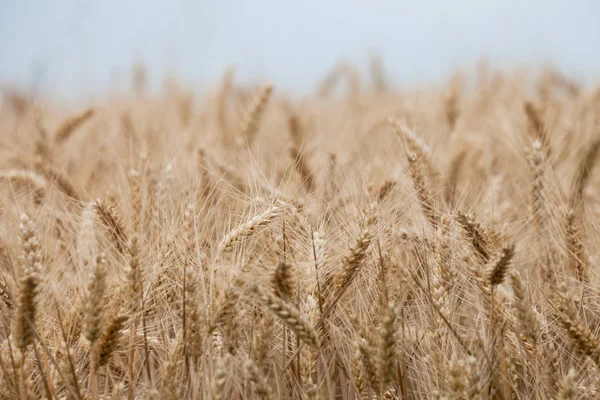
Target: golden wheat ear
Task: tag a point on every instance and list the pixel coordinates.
(250, 124)
(24, 326)
(69, 126)
(289, 316)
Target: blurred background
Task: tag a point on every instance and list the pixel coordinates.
(80, 48)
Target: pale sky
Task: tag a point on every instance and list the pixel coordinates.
(85, 47)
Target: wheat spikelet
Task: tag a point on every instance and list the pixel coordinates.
(111, 219)
(189, 233)
(536, 163)
(425, 198)
(367, 357)
(582, 337)
(354, 257)
(195, 334)
(108, 342)
(136, 197)
(552, 367)
(536, 120)
(459, 372)
(525, 313)
(27, 305)
(247, 228)
(575, 248)
(289, 316)
(298, 153)
(250, 124)
(262, 342)
(584, 170)
(283, 281)
(226, 308)
(416, 147)
(69, 126)
(385, 189)
(169, 389)
(260, 384)
(475, 234)
(499, 265)
(585, 341)
(93, 313)
(357, 371)
(220, 379)
(26, 310)
(134, 276)
(387, 346)
(353, 260)
(568, 386)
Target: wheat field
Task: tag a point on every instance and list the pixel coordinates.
(362, 241)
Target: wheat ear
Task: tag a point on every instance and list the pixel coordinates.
(289, 316)
(28, 290)
(251, 121)
(66, 129)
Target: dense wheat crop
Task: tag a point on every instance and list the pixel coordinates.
(363, 241)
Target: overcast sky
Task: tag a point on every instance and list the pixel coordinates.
(83, 47)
